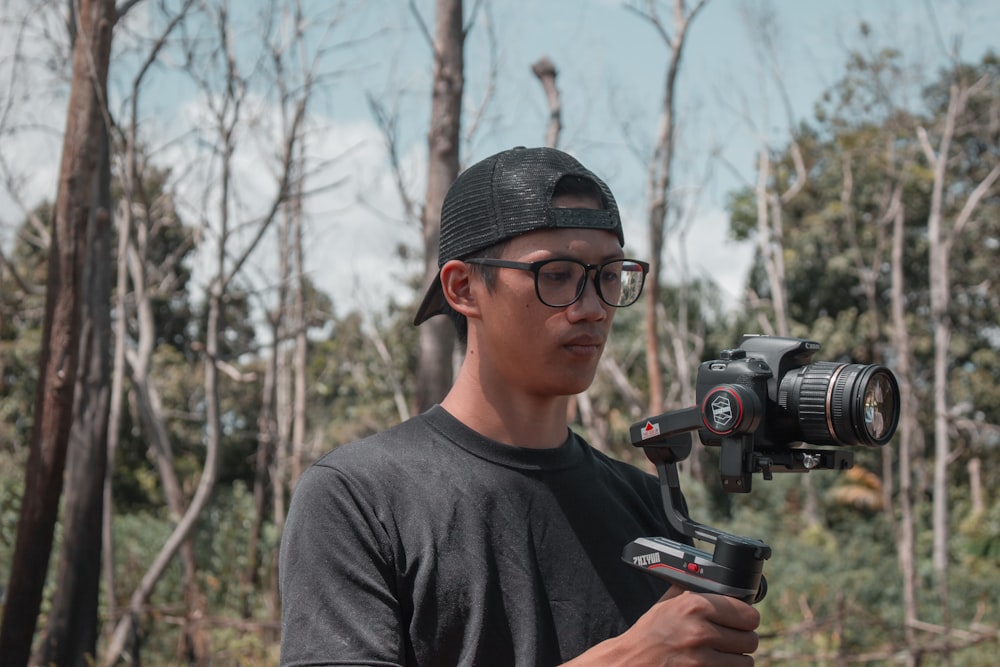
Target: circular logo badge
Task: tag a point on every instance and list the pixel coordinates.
(722, 410)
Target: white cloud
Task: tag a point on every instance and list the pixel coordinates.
(356, 227)
(33, 116)
(712, 254)
(353, 218)
(32, 161)
(704, 252)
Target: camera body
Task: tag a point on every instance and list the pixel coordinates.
(757, 403)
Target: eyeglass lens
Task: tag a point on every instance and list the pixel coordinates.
(562, 281)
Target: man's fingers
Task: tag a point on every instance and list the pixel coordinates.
(719, 609)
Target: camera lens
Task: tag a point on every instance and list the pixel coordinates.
(880, 407)
(841, 404)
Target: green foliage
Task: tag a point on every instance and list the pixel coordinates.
(835, 587)
(18, 382)
(221, 549)
(221, 555)
(138, 537)
(978, 541)
(352, 385)
(11, 491)
(22, 305)
(241, 646)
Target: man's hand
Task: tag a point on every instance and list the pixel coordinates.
(684, 629)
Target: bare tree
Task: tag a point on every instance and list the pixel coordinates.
(891, 231)
(437, 336)
(145, 393)
(60, 352)
(941, 238)
(295, 54)
(301, 347)
(230, 259)
(772, 195)
(910, 434)
(771, 199)
(545, 70)
(134, 266)
(658, 175)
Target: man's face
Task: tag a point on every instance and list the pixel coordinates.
(524, 344)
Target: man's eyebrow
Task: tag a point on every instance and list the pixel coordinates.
(606, 258)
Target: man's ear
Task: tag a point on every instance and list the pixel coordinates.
(456, 284)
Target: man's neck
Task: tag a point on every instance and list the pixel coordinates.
(507, 417)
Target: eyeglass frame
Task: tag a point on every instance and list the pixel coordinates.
(535, 267)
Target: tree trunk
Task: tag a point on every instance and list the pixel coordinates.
(300, 360)
(658, 191)
(71, 632)
(130, 193)
(546, 72)
(940, 242)
(266, 436)
(909, 428)
(939, 301)
(53, 413)
(283, 390)
(150, 408)
(975, 468)
(437, 335)
(770, 233)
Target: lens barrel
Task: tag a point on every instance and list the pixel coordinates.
(841, 404)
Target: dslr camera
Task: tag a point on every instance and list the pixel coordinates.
(758, 403)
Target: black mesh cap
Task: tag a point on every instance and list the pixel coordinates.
(506, 195)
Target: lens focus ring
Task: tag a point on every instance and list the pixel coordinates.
(807, 398)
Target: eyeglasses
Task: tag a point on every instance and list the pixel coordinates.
(560, 282)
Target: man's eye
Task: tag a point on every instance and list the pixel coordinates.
(555, 276)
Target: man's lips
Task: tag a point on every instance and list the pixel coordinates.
(584, 343)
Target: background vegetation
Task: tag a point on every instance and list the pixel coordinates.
(878, 227)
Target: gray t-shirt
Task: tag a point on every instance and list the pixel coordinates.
(428, 544)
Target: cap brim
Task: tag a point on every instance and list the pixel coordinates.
(433, 304)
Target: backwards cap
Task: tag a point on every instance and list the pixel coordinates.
(506, 195)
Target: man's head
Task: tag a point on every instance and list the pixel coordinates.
(510, 194)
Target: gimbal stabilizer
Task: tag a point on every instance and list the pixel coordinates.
(735, 568)
(756, 402)
(736, 565)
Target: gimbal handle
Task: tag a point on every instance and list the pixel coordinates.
(734, 567)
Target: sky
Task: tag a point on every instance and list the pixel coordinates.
(611, 65)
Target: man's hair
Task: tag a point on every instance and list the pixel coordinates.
(573, 185)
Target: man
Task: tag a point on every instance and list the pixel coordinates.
(484, 532)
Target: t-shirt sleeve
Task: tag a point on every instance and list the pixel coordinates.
(336, 577)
